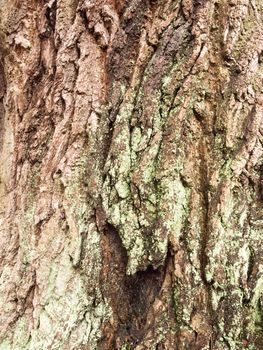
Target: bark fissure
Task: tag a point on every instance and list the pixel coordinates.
(131, 174)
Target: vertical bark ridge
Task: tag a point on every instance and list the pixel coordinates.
(131, 174)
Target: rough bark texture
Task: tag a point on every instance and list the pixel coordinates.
(131, 174)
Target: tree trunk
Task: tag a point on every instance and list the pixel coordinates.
(131, 174)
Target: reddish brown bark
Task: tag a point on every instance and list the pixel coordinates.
(131, 174)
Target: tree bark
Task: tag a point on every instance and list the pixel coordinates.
(131, 174)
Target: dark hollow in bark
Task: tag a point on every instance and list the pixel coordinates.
(131, 181)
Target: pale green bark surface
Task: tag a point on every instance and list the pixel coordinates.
(131, 178)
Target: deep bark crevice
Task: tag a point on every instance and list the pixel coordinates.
(131, 297)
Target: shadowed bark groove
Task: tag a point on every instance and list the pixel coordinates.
(131, 174)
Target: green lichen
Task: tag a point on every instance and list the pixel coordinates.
(126, 346)
(6, 345)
